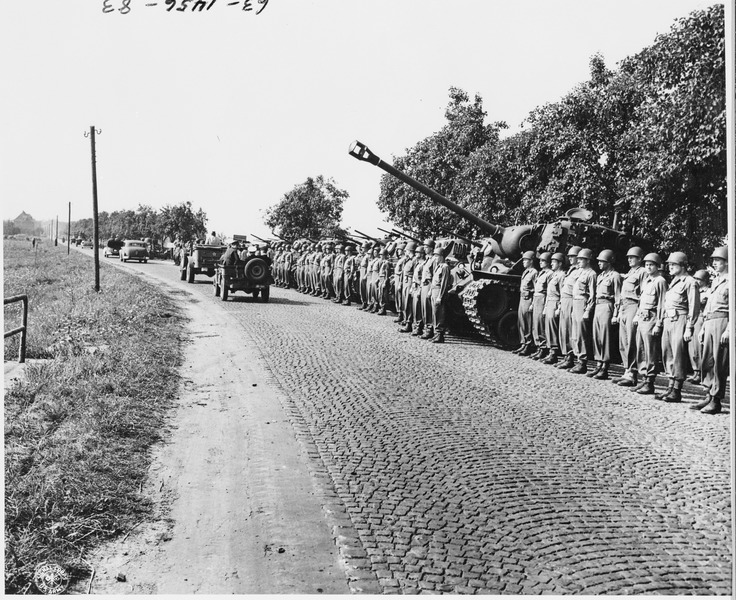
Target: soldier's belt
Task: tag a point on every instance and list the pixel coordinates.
(629, 301)
(673, 313)
(604, 300)
(645, 314)
(716, 315)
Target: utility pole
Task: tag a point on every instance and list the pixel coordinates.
(56, 237)
(69, 231)
(95, 223)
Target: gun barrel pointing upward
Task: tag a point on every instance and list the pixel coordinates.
(407, 236)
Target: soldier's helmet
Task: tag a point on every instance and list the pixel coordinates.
(606, 256)
(721, 253)
(702, 276)
(429, 242)
(635, 251)
(677, 258)
(338, 246)
(586, 253)
(421, 250)
(439, 251)
(384, 252)
(654, 258)
(559, 257)
(545, 256)
(366, 246)
(573, 251)
(410, 247)
(529, 255)
(349, 248)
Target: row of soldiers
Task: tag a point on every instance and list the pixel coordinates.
(418, 275)
(568, 315)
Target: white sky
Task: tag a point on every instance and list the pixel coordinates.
(231, 110)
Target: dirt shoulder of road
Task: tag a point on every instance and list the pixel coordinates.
(238, 510)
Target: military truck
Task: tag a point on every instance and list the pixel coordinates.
(201, 258)
(243, 272)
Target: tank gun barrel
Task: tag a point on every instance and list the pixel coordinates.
(366, 236)
(258, 238)
(407, 236)
(462, 237)
(360, 151)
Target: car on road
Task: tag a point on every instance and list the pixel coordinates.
(86, 244)
(108, 251)
(134, 250)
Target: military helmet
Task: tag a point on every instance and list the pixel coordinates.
(721, 253)
(606, 256)
(573, 251)
(338, 246)
(545, 256)
(529, 254)
(429, 242)
(653, 257)
(366, 246)
(677, 258)
(559, 257)
(585, 253)
(439, 251)
(421, 250)
(635, 251)
(410, 247)
(702, 275)
(384, 252)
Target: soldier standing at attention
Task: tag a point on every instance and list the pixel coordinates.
(607, 299)
(398, 282)
(363, 275)
(583, 304)
(538, 301)
(715, 337)
(338, 274)
(384, 281)
(526, 294)
(702, 279)
(373, 267)
(427, 272)
(407, 273)
(648, 323)
(288, 263)
(552, 308)
(441, 279)
(628, 305)
(681, 307)
(349, 268)
(327, 265)
(566, 310)
(416, 291)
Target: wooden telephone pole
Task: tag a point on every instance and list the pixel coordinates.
(95, 222)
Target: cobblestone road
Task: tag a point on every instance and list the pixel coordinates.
(466, 469)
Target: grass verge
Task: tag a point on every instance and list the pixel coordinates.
(79, 428)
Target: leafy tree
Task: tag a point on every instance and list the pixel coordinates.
(311, 209)
(180, 220)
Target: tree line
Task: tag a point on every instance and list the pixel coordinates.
(643, 144)
(145, 222)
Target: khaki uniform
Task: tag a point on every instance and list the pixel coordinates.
(583, 303)
(398, 286)
(416, 292)
(682, 307)
(441, 279)
(565, 328)
(526, 296)
(384, 278)
(427, 273)
(650, 314)
(338, 277)
(553, 303)
(607, 299)
(628, 304)
(715, 354)
(407, 273)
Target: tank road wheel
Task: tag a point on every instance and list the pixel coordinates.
(507, 329)
(485, 301)
(256, 270)
(265, 294)
(223, 290)
(190, 273)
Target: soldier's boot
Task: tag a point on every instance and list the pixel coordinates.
(529, 349)
(520, 349)
(580, 368)
(695, 377)
(675, 394)
(552, 357)
(406, 328)
(568, 363)
(536, 354)
(661, 395)
(382, 312)
(594, 372)
(398, 319)
(629, 379)
(646, 386)
(347, 302)
(702, 404)
(428, 333)
(713, 407)
(439, 337)
(602, 375)
(541, 354)
(418, 329)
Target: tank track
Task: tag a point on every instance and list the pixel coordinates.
(473, 298)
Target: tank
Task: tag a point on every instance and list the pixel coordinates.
(490, 298)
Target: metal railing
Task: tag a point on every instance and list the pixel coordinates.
(24, 325)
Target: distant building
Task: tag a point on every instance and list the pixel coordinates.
(25, 223)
